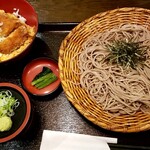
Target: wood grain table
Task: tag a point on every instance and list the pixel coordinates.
(79, 10)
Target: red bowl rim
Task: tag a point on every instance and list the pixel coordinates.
(28, 111)
(21, 2)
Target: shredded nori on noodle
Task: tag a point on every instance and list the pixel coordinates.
(127, 54)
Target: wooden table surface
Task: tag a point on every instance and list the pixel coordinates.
(79, 10)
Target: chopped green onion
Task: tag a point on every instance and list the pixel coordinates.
(8, 103)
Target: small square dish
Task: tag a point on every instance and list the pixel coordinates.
(34, 68)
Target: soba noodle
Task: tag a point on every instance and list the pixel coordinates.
(118, 90)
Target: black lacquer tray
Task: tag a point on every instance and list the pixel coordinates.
(55, 112)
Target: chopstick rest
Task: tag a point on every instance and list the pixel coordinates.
(57, 140)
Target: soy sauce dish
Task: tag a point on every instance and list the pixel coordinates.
(37, 69)
(15, 111)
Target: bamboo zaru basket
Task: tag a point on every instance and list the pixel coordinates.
(71, 45)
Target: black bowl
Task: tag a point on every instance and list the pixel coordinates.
(22, 113)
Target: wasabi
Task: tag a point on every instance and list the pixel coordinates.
(5, 123)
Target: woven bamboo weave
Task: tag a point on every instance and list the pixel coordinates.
(71, 45)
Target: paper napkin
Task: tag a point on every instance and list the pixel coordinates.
(57, 140)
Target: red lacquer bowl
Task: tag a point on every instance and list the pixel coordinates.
(34, 68)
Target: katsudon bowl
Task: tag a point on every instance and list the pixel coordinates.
(18, 28)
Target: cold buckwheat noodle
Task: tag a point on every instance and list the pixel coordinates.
(117, 89)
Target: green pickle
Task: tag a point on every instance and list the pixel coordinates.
(44, 78)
